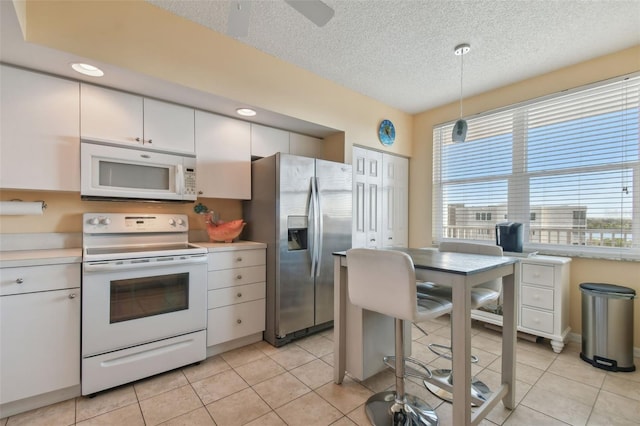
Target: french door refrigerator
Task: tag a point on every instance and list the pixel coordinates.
(301, 208)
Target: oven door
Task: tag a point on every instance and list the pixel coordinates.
(137, 301)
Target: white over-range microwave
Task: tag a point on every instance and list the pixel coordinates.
(118, 172)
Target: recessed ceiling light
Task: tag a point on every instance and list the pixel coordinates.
(247, 112)
(87, 69)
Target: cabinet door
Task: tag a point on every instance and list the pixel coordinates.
(110, 115)
(223, 147)
(395, 204)
(39, 343)
(266, 141)
(39, 131)
(305, 146)
(367, 198)
(168, 126)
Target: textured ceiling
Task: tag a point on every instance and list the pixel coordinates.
(400, 52)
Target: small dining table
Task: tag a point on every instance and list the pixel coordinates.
(460, 271)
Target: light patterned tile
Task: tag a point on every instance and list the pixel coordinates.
(621, 386)
(308, 410)
(259, 370)
(62, 413)
(292, 357)
(314, 374)
(574, 390)
(380, 381)
(104, 402)
(359, 416)
(238, 408)
(524, 372)
(199, 417)
(168, 405)
(525, 416)
(558, 406)
(610, 405)
(344, 421)
(207, 368)
(346, 397)
(281, 389)
(269, 419)
(316, 345)
(217, 387)
(158, 384)
(535, 359)
(243, 355)
(129, 415)
(578, 370)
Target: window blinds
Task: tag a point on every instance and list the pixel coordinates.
(566, 166)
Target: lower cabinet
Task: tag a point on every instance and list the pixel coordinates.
(236, 297)
(39, 331)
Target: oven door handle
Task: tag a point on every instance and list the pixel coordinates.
(143, 263)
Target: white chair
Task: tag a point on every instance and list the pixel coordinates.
(384, 281)
(442, 379)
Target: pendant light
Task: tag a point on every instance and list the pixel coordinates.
(459, 132)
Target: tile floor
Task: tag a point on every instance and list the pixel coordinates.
(262, 385)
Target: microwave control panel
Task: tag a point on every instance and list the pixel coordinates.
(189, 181)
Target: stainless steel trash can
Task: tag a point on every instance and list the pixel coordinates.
(607, 326)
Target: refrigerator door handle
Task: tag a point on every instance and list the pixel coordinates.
(320, 228)
(312, 223)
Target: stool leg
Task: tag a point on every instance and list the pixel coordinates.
(396, 407)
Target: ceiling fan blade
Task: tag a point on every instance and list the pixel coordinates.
(238, 22)
(314, 10)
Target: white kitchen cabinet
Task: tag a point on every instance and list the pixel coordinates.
(305, 146)
(395, 201)
(236, 297)
(542, 299)
(118, 117)
(39, 130)
(39, 330)
(266, 141)
(223, 150)
(367, 198)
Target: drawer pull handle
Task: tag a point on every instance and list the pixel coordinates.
(238, 277)
(239, 259)
(19, 280)
(239, 294)
(72, 296)
(239, 321)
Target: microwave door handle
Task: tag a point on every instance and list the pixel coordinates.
(179, 179)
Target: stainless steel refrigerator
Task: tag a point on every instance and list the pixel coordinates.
(301, 208)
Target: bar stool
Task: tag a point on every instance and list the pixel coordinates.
(442, 379)
(384, 281)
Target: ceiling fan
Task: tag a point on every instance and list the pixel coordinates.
(314, 10)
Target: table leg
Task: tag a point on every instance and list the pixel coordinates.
(339, 320)
(509, 338)
(461, 348)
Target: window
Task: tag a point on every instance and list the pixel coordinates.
(566, 166)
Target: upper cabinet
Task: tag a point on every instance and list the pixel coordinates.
(113, 116)
(305, 146)
(39, 128)
(266, 141)
(223, 152)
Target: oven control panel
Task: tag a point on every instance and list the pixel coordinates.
(112, 223)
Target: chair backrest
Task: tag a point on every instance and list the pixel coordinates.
(382, 281)
(475, 248)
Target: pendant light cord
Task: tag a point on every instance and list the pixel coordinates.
(461, 72)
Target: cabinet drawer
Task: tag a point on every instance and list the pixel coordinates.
(537, 320)
(239, 294)
(238, 276)
(28, 279)
(234, 321)
(537, 274)
(537, 297)
(235, 259)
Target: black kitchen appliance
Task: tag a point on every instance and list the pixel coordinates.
(509, 236)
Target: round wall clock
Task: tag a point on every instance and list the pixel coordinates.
(386, 132)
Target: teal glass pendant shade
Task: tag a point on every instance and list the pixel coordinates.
(459, 133)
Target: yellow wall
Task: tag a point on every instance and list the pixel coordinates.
(421, 165)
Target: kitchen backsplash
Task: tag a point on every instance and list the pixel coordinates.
(64, 211)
